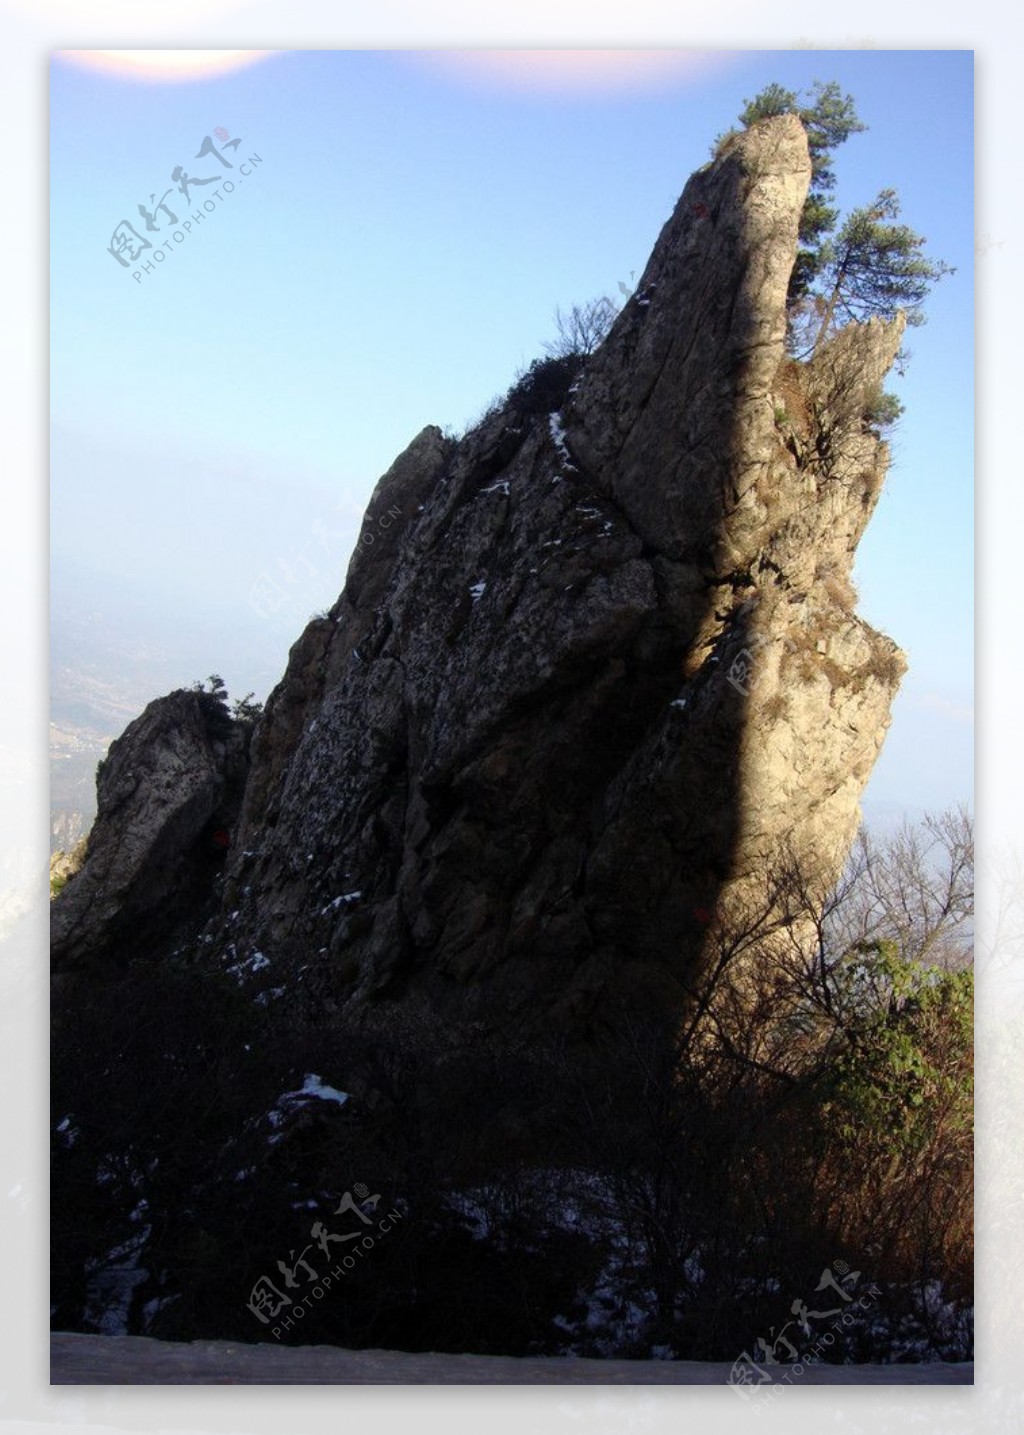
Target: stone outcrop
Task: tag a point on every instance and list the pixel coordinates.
(603, 659)
(590, 668)
(168, 796)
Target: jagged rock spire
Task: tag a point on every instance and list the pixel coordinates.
(597, 666)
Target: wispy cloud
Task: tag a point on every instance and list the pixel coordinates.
(578, 72)
(164, 65)
(956, 712)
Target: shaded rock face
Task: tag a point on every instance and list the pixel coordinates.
(599, 663)
(168, 794)
(589, 671)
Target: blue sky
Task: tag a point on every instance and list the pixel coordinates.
(393, 257)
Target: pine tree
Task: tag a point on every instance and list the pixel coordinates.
(875, 268)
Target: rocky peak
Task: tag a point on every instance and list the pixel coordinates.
(168, 795)
(590, 669)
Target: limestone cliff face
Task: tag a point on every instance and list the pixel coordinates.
(600, 662)
(590, 668)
